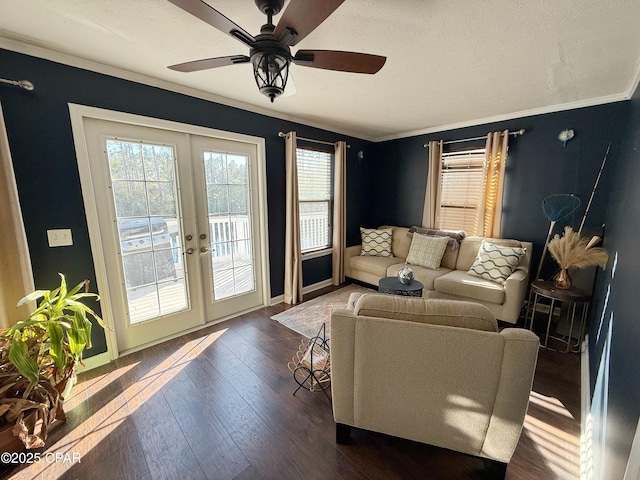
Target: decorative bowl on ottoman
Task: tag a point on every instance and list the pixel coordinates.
(405, 275)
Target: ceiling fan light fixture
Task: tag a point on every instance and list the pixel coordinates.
(271, 71)
(270, 52)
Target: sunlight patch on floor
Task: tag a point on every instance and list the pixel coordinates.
(107, 419)
(557, 447)
(549, 403)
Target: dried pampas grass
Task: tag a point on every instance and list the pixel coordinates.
(572, 251)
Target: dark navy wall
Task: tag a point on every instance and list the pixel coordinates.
(538, 165)
(43, 153)
(614, 333)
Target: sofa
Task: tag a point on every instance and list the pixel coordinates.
(433, 371)
(451, 280)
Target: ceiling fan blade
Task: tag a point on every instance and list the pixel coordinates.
(341, 61)
(208, 14)
(207, 63)
(303, 16)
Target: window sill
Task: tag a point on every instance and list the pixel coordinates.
(317, 253)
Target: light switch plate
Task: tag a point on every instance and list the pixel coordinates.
(60, 237)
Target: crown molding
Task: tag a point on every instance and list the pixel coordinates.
(511, 116)
(93, 66)
(635, 80)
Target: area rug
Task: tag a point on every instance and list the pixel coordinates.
(307, 318)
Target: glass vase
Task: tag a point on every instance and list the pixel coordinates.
(562, 279)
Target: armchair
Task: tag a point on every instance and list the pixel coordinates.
(434, 371)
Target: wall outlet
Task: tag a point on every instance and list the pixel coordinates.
(60, 237)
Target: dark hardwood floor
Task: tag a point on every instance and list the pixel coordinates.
(218, 404)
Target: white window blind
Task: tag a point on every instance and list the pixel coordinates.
(462, 190)
(315, 198)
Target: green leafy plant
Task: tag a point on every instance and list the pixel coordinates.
(39, 357)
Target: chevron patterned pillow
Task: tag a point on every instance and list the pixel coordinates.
(376, 243)
(496, 262)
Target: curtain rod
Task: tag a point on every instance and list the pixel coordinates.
(515, 134)
(26, 84)
(283, 135)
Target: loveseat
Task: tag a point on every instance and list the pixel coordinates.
(434, 371)
(451, 280)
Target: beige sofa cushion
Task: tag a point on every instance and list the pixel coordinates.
(450, 257)
(451, 313)
(400, 241)
(462, 284)
(470, 246)
(426, 276)
(374, 265)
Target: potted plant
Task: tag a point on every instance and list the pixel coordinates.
(573, 251)
(39, 357)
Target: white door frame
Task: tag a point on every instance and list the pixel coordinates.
(77, 115)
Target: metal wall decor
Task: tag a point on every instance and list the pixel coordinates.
(565, 135)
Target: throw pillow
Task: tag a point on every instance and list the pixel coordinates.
(455, 237)
(376, 243)
(427, 251)
(496, 262)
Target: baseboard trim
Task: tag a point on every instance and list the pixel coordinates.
(277, 300)
(317, 286)
(305, 290)
(586, 433)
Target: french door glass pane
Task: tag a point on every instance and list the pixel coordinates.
(229, 223)
(144, 190)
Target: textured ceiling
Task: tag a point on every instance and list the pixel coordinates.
(449, 63)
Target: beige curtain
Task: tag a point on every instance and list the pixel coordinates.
(16, 277)
(339, 211)
(496, 159)
(430, 214)
(292, 252)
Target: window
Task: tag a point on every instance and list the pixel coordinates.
(462, 190)
(315, 197)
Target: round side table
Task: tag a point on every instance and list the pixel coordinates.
(572, 296)
(393, 286)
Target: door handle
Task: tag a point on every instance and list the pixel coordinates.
(204, 249)
(190, 251)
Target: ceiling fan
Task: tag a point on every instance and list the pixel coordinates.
(269, 53)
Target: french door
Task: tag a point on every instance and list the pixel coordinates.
(179, 227)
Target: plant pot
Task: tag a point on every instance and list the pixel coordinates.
(11, 443)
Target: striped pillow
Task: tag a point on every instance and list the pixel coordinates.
(496, 262)
(376, 243)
